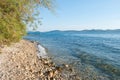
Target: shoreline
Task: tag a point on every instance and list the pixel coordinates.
(20, 61)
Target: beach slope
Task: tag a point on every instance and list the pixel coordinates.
(19, 61)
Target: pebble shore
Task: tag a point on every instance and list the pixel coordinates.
(19, 61)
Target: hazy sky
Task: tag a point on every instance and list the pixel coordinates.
(82, 14)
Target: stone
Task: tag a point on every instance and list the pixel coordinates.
(51, 74)
(58, 68)
(66, 65)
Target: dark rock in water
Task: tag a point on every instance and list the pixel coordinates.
(58, 68)
(51, 64)
(70, 69)
(65, 65)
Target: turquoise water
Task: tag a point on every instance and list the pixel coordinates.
(94, 56)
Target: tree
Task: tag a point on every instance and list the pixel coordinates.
(16, 14)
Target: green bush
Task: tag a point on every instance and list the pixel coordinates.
(15, 15)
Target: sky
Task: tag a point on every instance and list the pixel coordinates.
(81, 15)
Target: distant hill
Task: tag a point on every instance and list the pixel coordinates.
(58, 32)
(95, 31)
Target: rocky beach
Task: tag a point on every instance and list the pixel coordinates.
(20, 61)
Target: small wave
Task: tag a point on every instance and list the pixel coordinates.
(42, 51)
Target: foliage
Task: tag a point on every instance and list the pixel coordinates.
(16, 14)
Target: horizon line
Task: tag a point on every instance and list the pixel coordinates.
(72, 30)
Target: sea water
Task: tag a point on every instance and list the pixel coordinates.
(93, 56)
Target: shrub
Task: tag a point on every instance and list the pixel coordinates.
(16, 14)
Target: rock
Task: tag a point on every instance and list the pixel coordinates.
(41, 74)
(55, 72)
(51, 74)
(30, 70)
(71, 70)
(46, 73)
(58, 68)
(39, 78)
(51, 64)
(52, 78)
(66, 65)
(46, 62)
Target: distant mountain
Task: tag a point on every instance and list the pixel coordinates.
(95, 31)
(58, 32)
